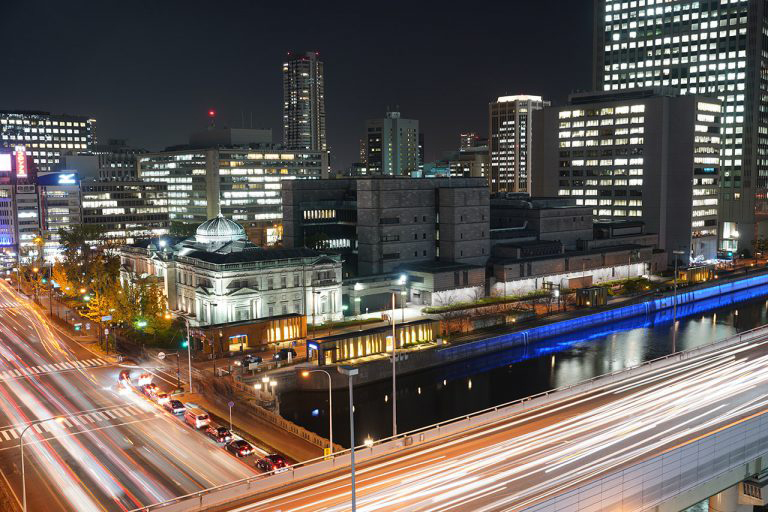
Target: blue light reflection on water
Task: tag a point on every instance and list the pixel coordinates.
(460, 388)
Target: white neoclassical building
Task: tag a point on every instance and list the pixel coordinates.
(218, 276)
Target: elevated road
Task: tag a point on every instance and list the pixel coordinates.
(526, 458)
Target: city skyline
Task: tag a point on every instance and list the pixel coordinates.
(154, 86)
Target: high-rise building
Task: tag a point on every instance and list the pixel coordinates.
(643, 154)
(304, 102)
(127, 210)
(713, 48)
(242, 183)
(393, 145)
(510, 142)
(46, 136)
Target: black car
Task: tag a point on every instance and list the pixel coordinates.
(271, 462)
(219, 434)
(240, 448)
(175, 407)
(249, 360)
(282, 355)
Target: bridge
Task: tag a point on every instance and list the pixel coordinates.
(660, 436)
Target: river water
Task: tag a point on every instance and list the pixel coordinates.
(456, 389)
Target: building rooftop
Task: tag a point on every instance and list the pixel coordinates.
(435, 267)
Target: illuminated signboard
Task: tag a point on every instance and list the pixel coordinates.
(67, 178)
(21, 162)
(5, 162)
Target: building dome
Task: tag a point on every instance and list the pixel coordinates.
(218, 230)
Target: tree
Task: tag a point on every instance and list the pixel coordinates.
(182, 229)
(67, 287)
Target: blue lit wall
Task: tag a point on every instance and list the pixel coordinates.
(625, 318)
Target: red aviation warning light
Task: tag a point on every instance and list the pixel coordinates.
(211, 113)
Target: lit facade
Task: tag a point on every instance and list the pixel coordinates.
(647, 155)
(304, 103)
(59, 207)
(708, 48)
(392, 145)
(510, 142)
(218, 276)
(46, 136)
(126, 210)
(243, 184)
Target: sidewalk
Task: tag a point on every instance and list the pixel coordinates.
(275, 439)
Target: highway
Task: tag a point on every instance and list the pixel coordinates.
(534, 455)
(112, 450)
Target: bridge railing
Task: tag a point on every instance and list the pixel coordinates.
(440, 429)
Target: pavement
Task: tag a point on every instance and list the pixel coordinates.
(109, 450)
(528, 457)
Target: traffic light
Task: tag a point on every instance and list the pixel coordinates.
(184, 343)
(45, 280)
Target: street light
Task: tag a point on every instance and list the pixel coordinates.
(58, 419)
(351, 371)
(305, 374)
(394, 372)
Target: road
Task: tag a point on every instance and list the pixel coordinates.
(534, 455)
(112, 450)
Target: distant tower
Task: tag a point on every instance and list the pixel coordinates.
(304, 102)
(509, 144)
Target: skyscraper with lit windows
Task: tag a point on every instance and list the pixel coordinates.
(509, 144)
(304, 102)
(712, 48)
(46, 136)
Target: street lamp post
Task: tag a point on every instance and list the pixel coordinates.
(394, 370)
(21, 446)
(351, 371)
(330, 404)
(676, 253)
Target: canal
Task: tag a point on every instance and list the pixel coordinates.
(456, 389)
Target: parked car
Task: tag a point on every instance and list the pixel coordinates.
(272, 462)
(240, 448)
(197, 418)
(175, 407)
(219, 434)
(282, 354)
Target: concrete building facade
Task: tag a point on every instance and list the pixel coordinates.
(647, 154)
(392, 145)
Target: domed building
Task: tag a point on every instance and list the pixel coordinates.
(218, 276)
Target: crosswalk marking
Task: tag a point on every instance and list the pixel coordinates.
(42, 369)
(86, 421)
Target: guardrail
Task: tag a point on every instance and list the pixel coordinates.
(441, 429)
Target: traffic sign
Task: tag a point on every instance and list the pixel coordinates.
(88, 326)
(106, 331)
(106, 318)
(161, 355)
(231, 404)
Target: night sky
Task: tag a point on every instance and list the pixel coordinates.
(148, 71)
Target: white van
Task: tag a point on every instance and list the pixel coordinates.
(197, 418)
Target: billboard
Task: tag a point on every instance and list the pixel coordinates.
(21, 161)
(5, 162)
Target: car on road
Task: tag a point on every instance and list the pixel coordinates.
(282, 354)
(144, 379)
(150, 390)
(248, 360)
(175, 407)
(196, 418)
(239, 448)
(161, 398)
(272, 462)
(219, 434)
